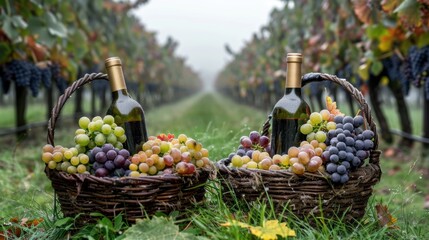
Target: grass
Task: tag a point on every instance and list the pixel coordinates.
(218, 123)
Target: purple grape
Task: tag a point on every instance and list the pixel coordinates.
(341, 169)
(334, 158)
(254, 137)
(119, 161)
(344, 178)
(249, 153)
(127, 172)
(331, 167)
(127, 164)
(268, 148)
(96, 150)
(241, 152)
(100, 157)
(361, 154)
(325, 155)
(111, 154)
(264, 141)
(106, 147)
(368, 144)
(335, 177)
(338, 119)
(230, 156)
(97, 165)
(124, 153)
(109, 165)
(120, 172)
(101, 172)
(357, 121)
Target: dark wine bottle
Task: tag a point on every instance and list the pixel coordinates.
(128, 113)
(291, 111)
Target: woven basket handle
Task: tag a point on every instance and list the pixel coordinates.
(357, 95)
(63, 98)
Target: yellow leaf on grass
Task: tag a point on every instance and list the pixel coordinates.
(271, 229)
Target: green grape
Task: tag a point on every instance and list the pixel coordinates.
(74, 151)
(122, 138)
(111, 138)
(108, 119)
(100, 139)
(74, 161)
(152, 170)
(119, 131)
(236, 161)
(80, 131)
(80, 149)
(320, 136)
(57, 156)
(71, 169)
(106, 129)
(118, 145)
(52, 165)
(68, 154)
(83, 158)
(310, 136)
(306, 128)
(315, 118)
(331, 125)
(164, 146)
(65, 165)
(91, 144)
(92, 127)
(98, 125)
(81, 168)
(82, 139)
(96, 118)
(83, 122)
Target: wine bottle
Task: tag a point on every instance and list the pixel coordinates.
(291, 111)
(127, 112)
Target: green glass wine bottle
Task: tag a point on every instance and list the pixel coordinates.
(291, 111)
(128, 113)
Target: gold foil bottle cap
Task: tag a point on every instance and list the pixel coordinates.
(112, 61)
(294, 57)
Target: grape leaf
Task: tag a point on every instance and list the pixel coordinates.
(157, 228)
(384, 217)
(410, 10)
(270, 229)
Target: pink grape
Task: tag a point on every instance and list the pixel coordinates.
(246, 142)
(264, 141)
(254, 137)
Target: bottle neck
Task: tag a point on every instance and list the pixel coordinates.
(293, 79)
(293, 91)
(116, 79)
(120, 93)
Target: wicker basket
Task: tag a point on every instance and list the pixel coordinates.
(309, 194)
(80, 194)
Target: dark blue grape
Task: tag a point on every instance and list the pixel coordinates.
(341, 169)
(350, 149)
(338, 131)
(46, 77)
(119, 172)
(359, 137)
(350, 141)
(338, 119)
(127, 172)
(342, 155)
(100, 157)
(335, 177)
(35, 80)
(124, 153)
(347, 119)
(333, 141)
(368, 134)
(331, 167)
(249, 153)
(356, 162)
(97, 165)
(21, 72)
(127, 164)
(359, 145)
(332, 133)
(341, 146)
(340, 126)
(230, 156)
(344, 178)
(361, 154)
(350, 156)
(106, 147)
(349, 127)
(333, 150)
(357, 121)
(101, 172)
(341, 137)
(368, 144)
(334, 158)
(119, 161)
(325, 156)
(346, 164)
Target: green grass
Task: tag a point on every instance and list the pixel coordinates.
(218, 123)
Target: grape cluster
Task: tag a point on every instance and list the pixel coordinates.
(46, 76)
(348, 147)
(250, 143)
(35, 80)
(98, 131)
(65, 159)
(6, 77)
(108, 161)
(21, 72)
(165, 154)
(317, 126)
(419, 59)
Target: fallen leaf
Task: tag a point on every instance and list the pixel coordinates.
(385, 219)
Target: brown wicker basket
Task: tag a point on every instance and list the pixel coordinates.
(81, 194)
(309, 194)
